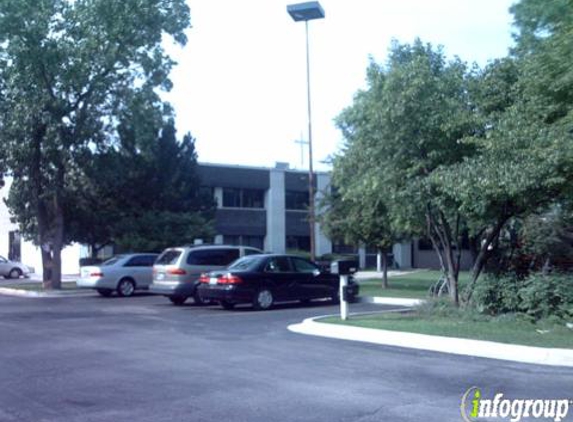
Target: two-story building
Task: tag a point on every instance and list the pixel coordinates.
(256, 206)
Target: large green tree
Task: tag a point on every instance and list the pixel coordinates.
(354, 210)
(525, 102)
(142, 195)
(68, 69)
(163, 204)
(469, 152)
(404, 126)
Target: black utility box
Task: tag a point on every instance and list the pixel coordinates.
(344, 266)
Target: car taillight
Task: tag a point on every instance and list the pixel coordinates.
(204, 278)
(176, 271)
(96, 274)
(229, 279)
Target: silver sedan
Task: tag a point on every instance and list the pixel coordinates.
(13, 269)
(122, 274)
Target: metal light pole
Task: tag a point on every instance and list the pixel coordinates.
(305, 12)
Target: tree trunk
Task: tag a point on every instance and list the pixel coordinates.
(56, 282)
(441, 235)
(385, 269)
(483, 255)
(41, 207)
(47, 265)
(93, 251)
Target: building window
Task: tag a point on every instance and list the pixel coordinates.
(231, 197)
(253, 198)
(342, 248)
(298, 243)
(425, 244)
(243, 198)
(244, 240)
(296, 200)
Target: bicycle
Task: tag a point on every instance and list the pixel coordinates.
(440, 288)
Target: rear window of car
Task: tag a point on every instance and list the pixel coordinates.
(113, 260)
(251, 251)
(245, 263)
(168, 257)
(220, 257)
(141, 261)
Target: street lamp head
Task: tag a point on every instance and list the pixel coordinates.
(305, 11)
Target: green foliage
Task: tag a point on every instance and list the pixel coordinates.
(438, 149)
(154, 231)
(538, 296)
(142, 184)
(399, 131)
(69, 70)
(547, 296)
(548, 238)
(497, 295)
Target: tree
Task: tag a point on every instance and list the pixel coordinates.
(355, 210)
(404, 126)
(68, 69)
(142, 195)
(525, 161)
(163, 203)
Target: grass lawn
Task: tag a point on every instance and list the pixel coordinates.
(413, 285)
(37, 287)
(501, 329)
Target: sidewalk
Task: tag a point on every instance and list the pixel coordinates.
(10, 287)
(366, 275)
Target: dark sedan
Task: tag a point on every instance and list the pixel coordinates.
(263, 280)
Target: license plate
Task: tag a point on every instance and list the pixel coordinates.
(160, 276)
(213, 280)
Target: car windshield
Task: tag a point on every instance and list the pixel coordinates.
(112, 260)
(245, 263)
(168, 257)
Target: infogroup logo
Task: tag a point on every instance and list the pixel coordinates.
(475, 407)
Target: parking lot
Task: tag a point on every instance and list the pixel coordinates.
(142, 359)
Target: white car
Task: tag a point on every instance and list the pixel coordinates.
(13, 269)
(123, 274)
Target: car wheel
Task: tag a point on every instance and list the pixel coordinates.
(263, 299)
(15, 273)
(125, 287)
(105, 292)
(199, 300)
(178, 300)
(227, 305)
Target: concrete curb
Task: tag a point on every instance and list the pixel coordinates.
(378, 300)
(465, 347)
(7, 291)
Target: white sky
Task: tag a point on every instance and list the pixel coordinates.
(240, 86)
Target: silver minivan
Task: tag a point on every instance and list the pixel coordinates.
(177, 270)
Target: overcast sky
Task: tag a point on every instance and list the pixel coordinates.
(240, 86)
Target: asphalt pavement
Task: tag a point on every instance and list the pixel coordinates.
(141, 359)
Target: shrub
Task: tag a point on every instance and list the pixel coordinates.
(498, 295)
(537, 296)
(547, 296)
